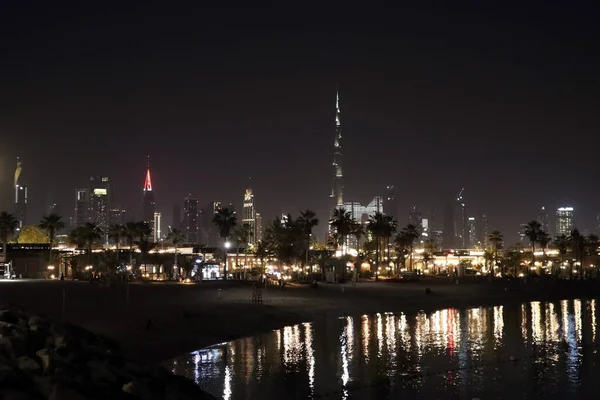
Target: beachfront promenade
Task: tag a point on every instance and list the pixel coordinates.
(157, 321)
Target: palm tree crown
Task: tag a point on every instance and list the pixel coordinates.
(52, 223)
(8, 225)
(225, 220)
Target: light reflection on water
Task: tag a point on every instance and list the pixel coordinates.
(536, 350)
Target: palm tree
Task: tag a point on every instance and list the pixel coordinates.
(427, 257)
(116, 233)
(593, 242)
(91, 234)
(261, 252)
(130, 234)
(175, 236)
(8, 226)
(389, 228)
(544, 240)
(342, 223)
(532, 231)
(241, 235)
(561, 243)
(410, 233)
(307, 221)
(358, 231)
(401, 247)
(144, 244)
(225, 220)
(51, 223)
(495, 239)
(578, 244)
(377, 227)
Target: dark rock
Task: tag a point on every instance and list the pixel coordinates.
(11, 376)
(9, 316)
(138, 389)
(28, 364)
(13, 346)
(44, 384)
(15, 395)
(45, 359)
(100, 372)
(63, 392)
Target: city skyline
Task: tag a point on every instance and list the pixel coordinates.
(445, 109)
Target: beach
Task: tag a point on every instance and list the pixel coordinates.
(153, 322)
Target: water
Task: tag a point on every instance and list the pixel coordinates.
(536, 350)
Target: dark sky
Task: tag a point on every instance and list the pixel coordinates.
(500, 100)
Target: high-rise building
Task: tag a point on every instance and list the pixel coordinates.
(156, 225)
(337, 195)
(127, 215)
(543, 219)
(565, 220)
(249, 215)
(81, 207)
(461, 222)
(53, 209)
(190, 219)
(449, 233)
(362, 213)
(99, 196)
(209, 235)
(390, 203)
(415, 218)
(258, 224)
(482, 231)
(115, 217)
(148, 203)
(20, 195)
(176, 221)
(473, 237)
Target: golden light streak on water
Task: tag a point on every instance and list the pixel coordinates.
(498, 325)
(310, 357)
(536, 322)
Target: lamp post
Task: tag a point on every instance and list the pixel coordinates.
(226, 246)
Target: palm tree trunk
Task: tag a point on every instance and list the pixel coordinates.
(532, 257)
(377, 258)
(387, 244)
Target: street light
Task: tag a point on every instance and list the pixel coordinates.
(227, 245)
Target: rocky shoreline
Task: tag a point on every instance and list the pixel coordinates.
(45, 359)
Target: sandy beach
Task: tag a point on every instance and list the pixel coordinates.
(157, 321)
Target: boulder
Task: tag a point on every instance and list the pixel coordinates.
(45, 359)
(139, 389)
(63, 392)
(9, 316)
(15, 395)
(28, 364)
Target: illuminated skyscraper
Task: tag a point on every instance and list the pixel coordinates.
(148, 203)
(449, 233)
(249, 215)
(543, 219)
(81, 206)
(390, 203)
(473, 238)
(98, 202)
(565, 221)
(190, 219)
(209, 235)
(415, 218)
(20, 195)
(461, 222)
(156, 224)
(258, 220)
(337, 195)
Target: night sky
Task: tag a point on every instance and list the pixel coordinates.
(501, 101)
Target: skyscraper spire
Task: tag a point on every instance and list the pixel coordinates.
(148, 180)
(337, 196)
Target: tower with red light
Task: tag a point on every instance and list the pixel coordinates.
(148, 203)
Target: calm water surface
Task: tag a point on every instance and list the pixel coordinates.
(536, 350)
